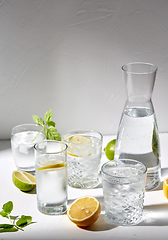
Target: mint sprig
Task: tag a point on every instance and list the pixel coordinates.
(47, 125)
(14, 225)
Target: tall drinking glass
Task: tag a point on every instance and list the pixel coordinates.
(51, 177)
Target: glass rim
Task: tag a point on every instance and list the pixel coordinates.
(82, 130)
(139, 63)
(126, 177)
(25, 124)
(53, 141)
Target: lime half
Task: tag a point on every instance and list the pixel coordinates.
(110, 149)
(23, 180)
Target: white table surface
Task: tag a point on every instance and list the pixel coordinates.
(153, 226)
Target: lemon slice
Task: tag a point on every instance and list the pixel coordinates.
(23, 180)
(165, 187)
(84, 211)
(53, 166)
(79, 139)
(78, 145)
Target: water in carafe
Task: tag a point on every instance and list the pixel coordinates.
(138, 136)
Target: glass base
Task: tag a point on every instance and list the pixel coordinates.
(84, 184)
(52, 209)
(123, 222)
(26, 169)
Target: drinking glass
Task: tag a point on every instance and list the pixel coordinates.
(51, 176)
(83, 157)
(124, 190)
(23, 138)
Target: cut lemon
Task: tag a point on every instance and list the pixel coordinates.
(78, 145)
(84, 211)
(165, 187)
(79, 139)
(54, 166)
(23, 180)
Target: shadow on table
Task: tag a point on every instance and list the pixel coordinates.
(100, 225)
(155, 215)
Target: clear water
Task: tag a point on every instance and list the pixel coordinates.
(23, 149)
(134, 141)
(83, 172)
(124, 198)
(51, 187)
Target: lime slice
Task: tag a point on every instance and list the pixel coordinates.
(110, 149)
(53, 166)
(78, 145)
(155, 142)
(23, 180)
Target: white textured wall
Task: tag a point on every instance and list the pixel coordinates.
(67, 55)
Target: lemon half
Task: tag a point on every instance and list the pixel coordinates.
(23, 180)
(84, 211)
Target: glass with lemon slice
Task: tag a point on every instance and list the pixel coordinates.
(51, 177)
(83, 157)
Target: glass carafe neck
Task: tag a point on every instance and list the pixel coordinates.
(140, 79)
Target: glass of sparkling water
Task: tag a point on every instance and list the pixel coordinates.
(83, 157)
(51, 176)
(22, 145)
(124, 189)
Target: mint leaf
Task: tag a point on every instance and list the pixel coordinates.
(51, 123)
(49, 132)
(24, 221)
(6, 225)
(52, 133)
(3, 214)
(48, 116)
(38, 120)
(7, 228)
(8, 207)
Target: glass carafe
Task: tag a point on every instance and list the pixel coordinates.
(138, 136)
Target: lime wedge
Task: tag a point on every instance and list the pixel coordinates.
(23, 180)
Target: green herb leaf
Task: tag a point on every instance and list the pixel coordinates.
(38, 120)
(3, 214)
(48, 116)
(6, 225)
(24, 221)
(8, 207)
(51, 123)
(52, 133)
(8, 229)
(49, 132)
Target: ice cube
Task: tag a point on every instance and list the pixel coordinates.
(23, 148)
